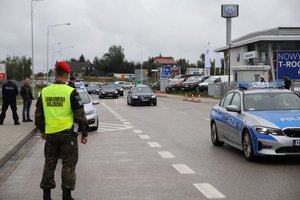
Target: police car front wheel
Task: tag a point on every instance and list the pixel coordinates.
(248, 146)
(214, 135)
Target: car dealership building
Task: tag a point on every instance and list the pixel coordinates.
(270, 53)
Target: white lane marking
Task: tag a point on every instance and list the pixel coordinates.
(154, 144)
(144, 137)
(165, 108)
(126, 123)
(123, 120)
(209, 191)
(165, 154)
(183, 169)
(184, 113)
(137, 131)
(207, 119)
(103, 127)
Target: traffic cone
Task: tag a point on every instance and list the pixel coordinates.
(193, 97)
(199, 98)
(185, 97)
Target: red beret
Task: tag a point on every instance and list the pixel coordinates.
(64, 66)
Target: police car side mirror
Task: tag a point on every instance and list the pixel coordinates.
(95, 102)
(232, 108)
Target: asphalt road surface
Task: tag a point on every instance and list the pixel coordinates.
(159, 153)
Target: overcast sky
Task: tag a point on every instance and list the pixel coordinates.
(178, 28)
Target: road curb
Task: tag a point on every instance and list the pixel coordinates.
(15, 146)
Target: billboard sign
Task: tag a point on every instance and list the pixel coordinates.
(166, 71)
(288, 63)
(230, 10)
(2, 72)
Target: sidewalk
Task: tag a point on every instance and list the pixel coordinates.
(13, 137)
(181, 98)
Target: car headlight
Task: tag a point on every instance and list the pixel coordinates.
(90, 112)
(153, 96)
(116, 92)
(267, 130)
(103, 92)
(121, 89)
(135, 97)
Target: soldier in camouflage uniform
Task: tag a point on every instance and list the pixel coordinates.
(59, 112)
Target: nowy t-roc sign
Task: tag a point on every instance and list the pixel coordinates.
(288, 64)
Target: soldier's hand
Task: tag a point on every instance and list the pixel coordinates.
(43, 136)
(84, 140)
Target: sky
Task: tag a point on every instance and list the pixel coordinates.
(144, 28)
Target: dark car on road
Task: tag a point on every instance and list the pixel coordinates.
(108, 91)
(141, 95)
(191, 83)
(92, 88)
(119, 89)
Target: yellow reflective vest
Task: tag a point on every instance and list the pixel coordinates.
(57, 108)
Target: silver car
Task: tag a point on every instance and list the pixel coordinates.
(90, 110)
(259, 119)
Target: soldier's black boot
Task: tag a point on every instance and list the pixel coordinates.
(67, 195)
(47, 195)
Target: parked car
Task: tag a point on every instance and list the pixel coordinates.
(108, 91)
(192, 82)
(141, 95)
(119, 89)
(175, 84)
(203, 87)
(90, 110)
(92, 88)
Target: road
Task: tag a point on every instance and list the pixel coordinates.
(159, 153)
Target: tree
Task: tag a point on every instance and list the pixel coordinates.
(18, 67)
(81, 58)
(114, 60)
(40, 74)
(183, 64)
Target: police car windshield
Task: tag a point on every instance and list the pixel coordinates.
(271, 101)
(84, 97)
(141, 90)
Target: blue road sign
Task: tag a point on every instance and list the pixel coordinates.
(166, 71)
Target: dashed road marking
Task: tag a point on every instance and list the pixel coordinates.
(154, 144)
(183, 169)
(165, 154)
(104, 127)
(207, 119)
(184, 113)
(209, 191)
(126, 123)
(144, 137)
(123, 120)
(137, 131)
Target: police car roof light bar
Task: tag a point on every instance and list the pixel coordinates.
(259, 85)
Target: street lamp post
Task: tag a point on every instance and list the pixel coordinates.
(141, 64)
(33, 3)
(48, 35)
(68, 47)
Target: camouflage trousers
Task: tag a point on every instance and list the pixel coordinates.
(66, 146)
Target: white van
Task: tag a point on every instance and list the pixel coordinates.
(202, 87)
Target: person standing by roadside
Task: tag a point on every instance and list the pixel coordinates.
(72, 81)
(9, 98)
(287, 82)
(26, 94)
(59, 115)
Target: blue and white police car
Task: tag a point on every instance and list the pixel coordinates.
(259, 119)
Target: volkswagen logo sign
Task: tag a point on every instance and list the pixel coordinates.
(229, 10)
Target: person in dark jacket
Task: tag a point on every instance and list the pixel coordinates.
(9, 98)
(287, 82)
(72, 81)
(27, 96)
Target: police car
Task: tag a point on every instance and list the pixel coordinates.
(259, 119)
